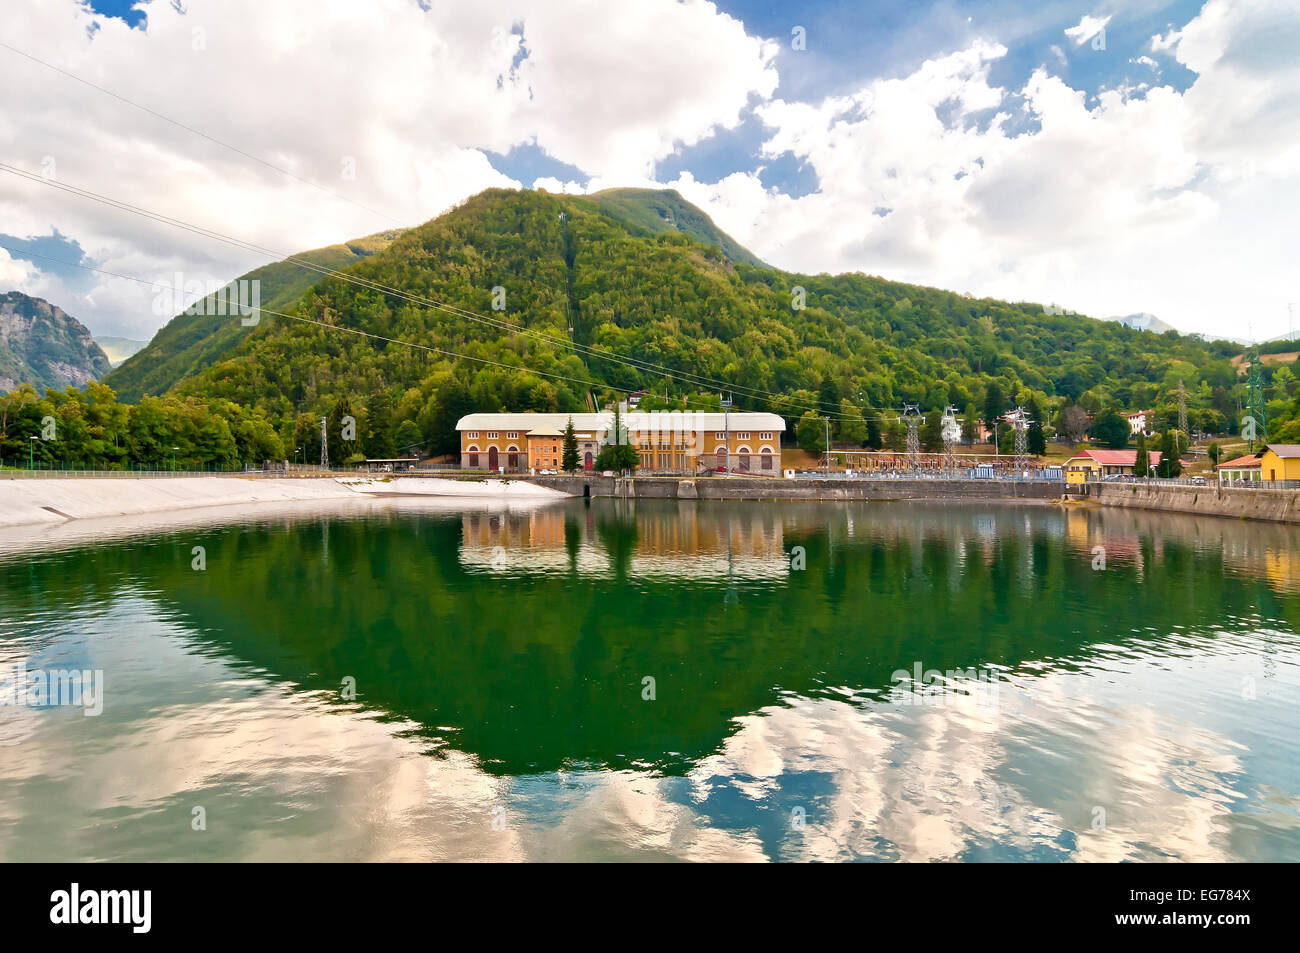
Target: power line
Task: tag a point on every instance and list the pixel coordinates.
(329, 327)
(197, 132)
(634, 363)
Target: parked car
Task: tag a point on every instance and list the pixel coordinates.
(1198, 481)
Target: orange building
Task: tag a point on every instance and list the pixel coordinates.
(668, 442)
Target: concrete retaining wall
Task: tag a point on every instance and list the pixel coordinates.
(1279, 506)
(721, 488)
(25, 501)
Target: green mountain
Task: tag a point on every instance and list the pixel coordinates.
(656, 211)
(43, 345)
(190, 342)
(643, 275)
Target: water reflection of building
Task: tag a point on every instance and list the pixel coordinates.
(685, 541)
(1264, 550)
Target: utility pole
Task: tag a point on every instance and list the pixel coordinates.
(1256, 411)
(827, 421)
(324, 446)
(726, 430)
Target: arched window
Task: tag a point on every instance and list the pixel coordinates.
(473, 457)
(512, 461)
(742, 464)
(766, 457)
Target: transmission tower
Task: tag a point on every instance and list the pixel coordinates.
(1182, 413)
(324, 446)
(912, 417)
(951, 431)
(1020, 422)
(1256, 419)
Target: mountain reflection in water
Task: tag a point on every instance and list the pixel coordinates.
(501, 657)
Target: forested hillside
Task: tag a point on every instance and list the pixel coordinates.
(190, 342)
(518, 270)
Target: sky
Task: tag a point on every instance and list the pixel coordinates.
(1105, 157)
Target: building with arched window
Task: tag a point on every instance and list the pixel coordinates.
(672, 442)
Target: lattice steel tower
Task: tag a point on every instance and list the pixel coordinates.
(1020, 422)
(951, 432)
(912, 417)
(324, 446)
(1182, 413)
(1255, 398)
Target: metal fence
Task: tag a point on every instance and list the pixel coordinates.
(1204, 483)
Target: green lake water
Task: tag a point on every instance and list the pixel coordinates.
(644, 681)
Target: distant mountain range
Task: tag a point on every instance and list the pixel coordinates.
(119, 349)
(43, 345)
(1142, 321)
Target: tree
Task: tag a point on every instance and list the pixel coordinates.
(618, 456)
(1112, 429)
(995, 404)
(1170, 466)
(810, 433)
(932, 432)
(569, 455)
(380, 442)
(1142, 463)
(1215, 452)
(852, 428)
(829, 396)
(1073, 421)
(970, 425)
(895, 435)
(875, 439)
(341, 432)
(1036, 440)
(408, 439)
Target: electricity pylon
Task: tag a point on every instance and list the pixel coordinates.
(951, 432)
(1020, 422)
(324, 446)
(1182, 413)
(1255, 423)
(912, 417)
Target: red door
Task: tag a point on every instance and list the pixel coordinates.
(587, 461)
(492, 458)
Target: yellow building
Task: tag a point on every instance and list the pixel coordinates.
(1280, 461)
(1096, 464)
(668, 441)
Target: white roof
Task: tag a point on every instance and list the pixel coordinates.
(661, 420)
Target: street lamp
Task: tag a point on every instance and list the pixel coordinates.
(174, 449)
(31, 453)
(827, 421)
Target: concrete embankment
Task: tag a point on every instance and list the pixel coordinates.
(1278, 506)
(746, 488)
(28, 501)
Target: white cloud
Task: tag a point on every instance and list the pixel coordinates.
(1177, 203)
(1174, 202)
(1086, 29)
(392, 109)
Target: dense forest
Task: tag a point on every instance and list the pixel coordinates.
(550, 297)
